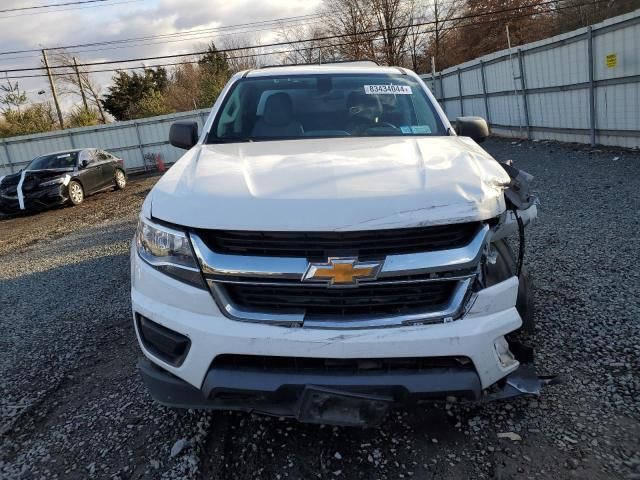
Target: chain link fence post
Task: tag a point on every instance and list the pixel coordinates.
(7, 155)
(71, 139)
(484, 93)
(523, 87)
(592, 93)
(139, 137)
(460, 94)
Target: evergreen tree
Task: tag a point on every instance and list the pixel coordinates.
(129, 89)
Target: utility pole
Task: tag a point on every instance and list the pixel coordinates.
(84, 98)
(53, 88)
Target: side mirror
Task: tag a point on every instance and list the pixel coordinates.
(474, 127)
(84, 163)
(183, 134)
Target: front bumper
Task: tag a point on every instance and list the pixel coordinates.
(35, 200)
(294, 394)
(192, 312)
(283, 393)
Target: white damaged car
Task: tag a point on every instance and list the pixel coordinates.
(330, 247)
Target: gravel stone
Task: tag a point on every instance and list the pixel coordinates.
(72, 404)
(178, 447)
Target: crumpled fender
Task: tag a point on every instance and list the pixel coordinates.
(520, 201)
(518, 193)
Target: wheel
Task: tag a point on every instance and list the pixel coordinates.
(524, 303)
(120, 179)
(504, 268)
(76, 193)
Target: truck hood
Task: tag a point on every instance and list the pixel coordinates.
(338, 184)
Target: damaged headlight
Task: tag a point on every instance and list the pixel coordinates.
(169, 251)
(56, 181)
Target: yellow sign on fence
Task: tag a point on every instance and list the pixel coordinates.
(612, 60)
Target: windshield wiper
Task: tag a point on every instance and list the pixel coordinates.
(230, 140)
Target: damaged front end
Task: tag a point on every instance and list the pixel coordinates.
(34, 190)
(311, 372)
(500, 263)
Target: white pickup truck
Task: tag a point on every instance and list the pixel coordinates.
(330, 247)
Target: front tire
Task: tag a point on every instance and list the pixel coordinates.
(504, 268)
(76, 193)
(120, 180)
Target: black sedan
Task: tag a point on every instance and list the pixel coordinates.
(58, 178)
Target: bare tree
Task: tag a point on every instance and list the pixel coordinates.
(20, 116)
(416, 45)
(74, 80)
(483, 31)
(588, 12)
(443, 14)
(353, 21)
(241, 57)
(306, 44)
(183, 90)
(12, 97)
(393, 19)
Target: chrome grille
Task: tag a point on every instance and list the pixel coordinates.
(340, 303)
(411, 288)
(369, 244)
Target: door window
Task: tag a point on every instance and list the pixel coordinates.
(103, 156)
(88, 156)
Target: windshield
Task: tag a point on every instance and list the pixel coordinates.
(59, 160)
(340, 105)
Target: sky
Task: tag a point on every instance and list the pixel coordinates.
(122, 19)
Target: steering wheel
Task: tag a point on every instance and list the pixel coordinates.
(384, 124)
(380, 126)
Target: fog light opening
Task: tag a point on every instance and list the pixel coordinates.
(164, 343)
(506, 358)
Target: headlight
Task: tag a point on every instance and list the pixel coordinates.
(169, 251)
(64, 180)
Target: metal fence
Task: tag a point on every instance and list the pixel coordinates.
(582, 86)
(135, 141)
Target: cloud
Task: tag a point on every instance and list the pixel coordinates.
(131, 19)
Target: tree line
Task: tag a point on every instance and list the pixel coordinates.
(417, 34)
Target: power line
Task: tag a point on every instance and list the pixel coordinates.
(34, 7)
(292, 42)
(67, 9)
(280, 52)
(210, 37)
(167, 35)
(277, 22)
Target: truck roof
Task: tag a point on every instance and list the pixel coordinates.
(328, 68)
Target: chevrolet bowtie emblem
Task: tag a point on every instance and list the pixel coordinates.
(342, 271)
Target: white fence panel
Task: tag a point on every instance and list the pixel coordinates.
(131, 140)
(471, 82)
(582, 86)
(452, 108)
(539, 90)
(612, 100)
(450, 86)
(474, 106)
(565, 66)
(500, 76)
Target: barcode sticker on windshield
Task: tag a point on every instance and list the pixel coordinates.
(387, 89)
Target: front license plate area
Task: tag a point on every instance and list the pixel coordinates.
(339, 407)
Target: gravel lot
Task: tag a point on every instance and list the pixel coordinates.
(73, 406)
